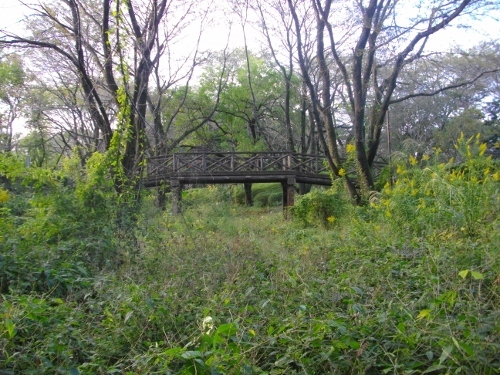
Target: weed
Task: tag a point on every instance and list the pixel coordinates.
(406, 285)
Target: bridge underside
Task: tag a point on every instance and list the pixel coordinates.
(235, 178)
(288, 180)
(287, 168)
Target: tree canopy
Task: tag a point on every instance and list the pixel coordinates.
(135, 79)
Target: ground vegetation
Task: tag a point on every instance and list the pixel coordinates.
(408, 284)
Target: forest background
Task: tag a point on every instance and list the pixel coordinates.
(391, 272)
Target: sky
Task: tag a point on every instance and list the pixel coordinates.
(487, 28)
(11, 14)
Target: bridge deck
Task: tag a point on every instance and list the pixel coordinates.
(237, 167)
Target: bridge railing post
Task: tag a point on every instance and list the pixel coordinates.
(175, 163)
(289, 161)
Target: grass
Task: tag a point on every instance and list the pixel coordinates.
(357, 299)
(228, 289)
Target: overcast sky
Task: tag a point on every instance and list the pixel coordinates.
(11, 14)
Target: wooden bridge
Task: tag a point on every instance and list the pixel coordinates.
(237, 167)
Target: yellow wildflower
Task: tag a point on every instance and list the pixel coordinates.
(350, 148)
(413, 160)
(424, 314)
(330, 219)
(482, 149)
(421, 204)
(342, 172)
(4, 195)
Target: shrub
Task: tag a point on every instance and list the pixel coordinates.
(321, 208)
(447, 196)
(263, 195)
(225, 289)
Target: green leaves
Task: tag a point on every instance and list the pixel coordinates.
(321, 208)
(79, 295)
(10, 328)
(474, 274)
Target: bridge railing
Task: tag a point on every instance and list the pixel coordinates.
(234, 162)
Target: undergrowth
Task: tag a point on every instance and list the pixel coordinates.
(406, 285)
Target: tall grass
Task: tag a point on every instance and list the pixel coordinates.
(407, 285)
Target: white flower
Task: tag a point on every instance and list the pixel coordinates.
(207, 325)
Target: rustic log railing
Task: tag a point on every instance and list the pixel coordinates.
(237, 167)
(203, 165)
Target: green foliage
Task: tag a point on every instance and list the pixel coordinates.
(385, 177)
(227, 289)
(263, 195)
(12, 90)
(55, 225)
(11, 74)
(321, 208)
(247, 118)
(459, 197)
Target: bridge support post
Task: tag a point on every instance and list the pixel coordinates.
(248, 193)
(304, 188)
(288, 196)
(162, 197)
(176, 187)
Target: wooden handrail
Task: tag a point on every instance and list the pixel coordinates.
(230, 163)
(201, 162)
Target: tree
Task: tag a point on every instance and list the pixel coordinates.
(417, 121)
(277, 27)
(113, 50)
(12, 87)
(369, 48)
(250, 116)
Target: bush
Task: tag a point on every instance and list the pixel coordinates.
(226, 289)
(321, 208)
(437, 197)
(263, 195)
